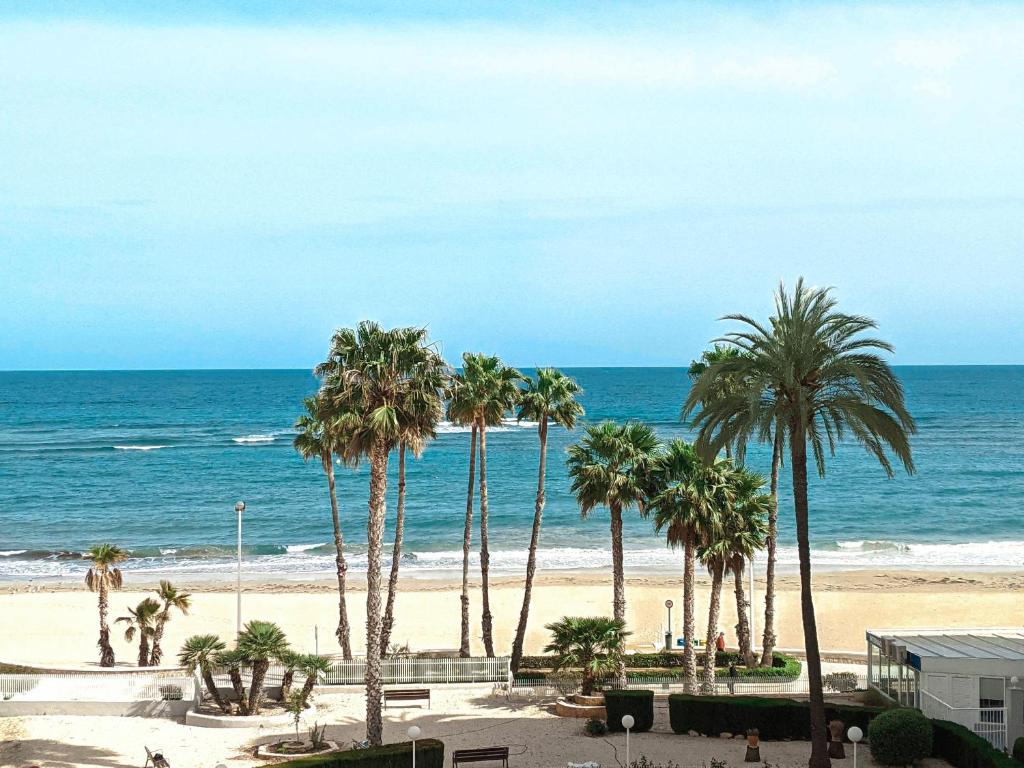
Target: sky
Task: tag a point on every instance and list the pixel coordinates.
(221, 184)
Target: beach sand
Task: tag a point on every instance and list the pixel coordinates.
(57, 625)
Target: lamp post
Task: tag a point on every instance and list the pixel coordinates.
(855, 734)
(627, 723)
(753, 622)
(239, 508)
(414, 733)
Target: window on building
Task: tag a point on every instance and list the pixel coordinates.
(992, 697)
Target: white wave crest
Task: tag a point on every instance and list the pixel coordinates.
(298, 548)
(12, 552)
(139, 447)
(253, 439)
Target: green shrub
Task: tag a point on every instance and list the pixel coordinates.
(900, 737)
(429, 754)
(775, 719)
(1018, 749)
(962, 748)
(639, 704)
(663, 660)
(535, 671)
(595, 726)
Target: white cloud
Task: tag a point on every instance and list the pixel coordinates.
(776, 70)
(933, 86)
(934, 56)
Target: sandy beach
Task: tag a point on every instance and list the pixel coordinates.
(57, 624)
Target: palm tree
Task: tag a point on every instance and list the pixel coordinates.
(170, 597)
(141, 619)
(551, 398)
(768, 638)
(103, 576)
(321, 436)
(233, 660)
(314, 667)
(811, 370)
(377, 374)
(290, 662)
(260, 643)
(610, 467)
(201, 652)
(593, 643)
(725, 386)
(712, 555)
(688, 496)
(746, 531)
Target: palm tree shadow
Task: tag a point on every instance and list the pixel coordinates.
(55, 754)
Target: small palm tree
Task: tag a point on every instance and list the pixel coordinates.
(260, 643)
(593, 644)
(688, 497)
(551, 398)
(103, 576)
(321, 435)
(233, 660)
(290, 662)
(170, 597)
(811, 371)
(142, 620)
(200, 652)
(314, 667)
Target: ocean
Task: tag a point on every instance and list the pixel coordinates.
(155, 460)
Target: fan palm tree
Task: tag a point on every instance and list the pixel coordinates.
(549, 398)
(200, 652)
(170, 597)
(811, 370)
(260, 643)
(233, 660)
(142, 620)
(377, 374)
(102, 577)
(321, 436)
(687, 502)
(610, 467)
(290, 662)
(314, 667)
(592, 643)
(745, 532)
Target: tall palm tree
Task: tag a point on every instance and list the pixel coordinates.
(745, 532)
(200, 652)
(768, 637)
(595, 644)
(688, 501)
(549, 398)
(321, 436)
(170, 597)
(812, 370)
(142, 620)
(103, 576)
(610, 467)
(260, 643)
(377, 374)
(725, 386)
(712, 554)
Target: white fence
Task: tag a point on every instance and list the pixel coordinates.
(99, 687)
(410, 670)
(987, 722)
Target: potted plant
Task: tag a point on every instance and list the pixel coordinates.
(753, 736)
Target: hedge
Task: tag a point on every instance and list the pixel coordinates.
(639, 704)
(962, 748)
(641, 666)
(669, 660)
(429, 754)
(775, 719)
(901, 736)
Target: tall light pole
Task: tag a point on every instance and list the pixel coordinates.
(239, 508)
(753, 622)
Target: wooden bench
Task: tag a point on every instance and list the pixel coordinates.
(485, 754)
(407, 694)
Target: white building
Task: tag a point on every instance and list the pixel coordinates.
(969, 676)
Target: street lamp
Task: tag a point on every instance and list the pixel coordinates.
(239, 508)
(414, 733)
(627, 723)
(855, 734)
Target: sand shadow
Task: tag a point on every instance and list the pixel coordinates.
(55, 754)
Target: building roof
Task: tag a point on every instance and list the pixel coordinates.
(942, 648)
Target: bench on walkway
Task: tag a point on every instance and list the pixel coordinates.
(484, 754)
(407, 694)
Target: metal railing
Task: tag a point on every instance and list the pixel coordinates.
(410, 670)
(106, 687)
(987, 722)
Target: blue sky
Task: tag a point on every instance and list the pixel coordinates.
(551, 184)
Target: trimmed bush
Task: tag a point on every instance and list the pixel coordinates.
(1018, 749)
(962, 748)
(900, 737)
(429, 754)
(639, 704)
(775, 719)
(535, 670)
(595, 726)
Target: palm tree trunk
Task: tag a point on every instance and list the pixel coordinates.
(710, 650)
(307, 688)
(211, 687)
(374, 543)
(618, 581)
(106, 650)
(236, 684)
(485, 555)
(143, 648)
(156, 653)
(467, 537)
(343, 632)
(396, 556)
(819, 733)
(531, 558)
(742, 613)
(689, 604)
(768, 638)
(287, 679)
(259, 674)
